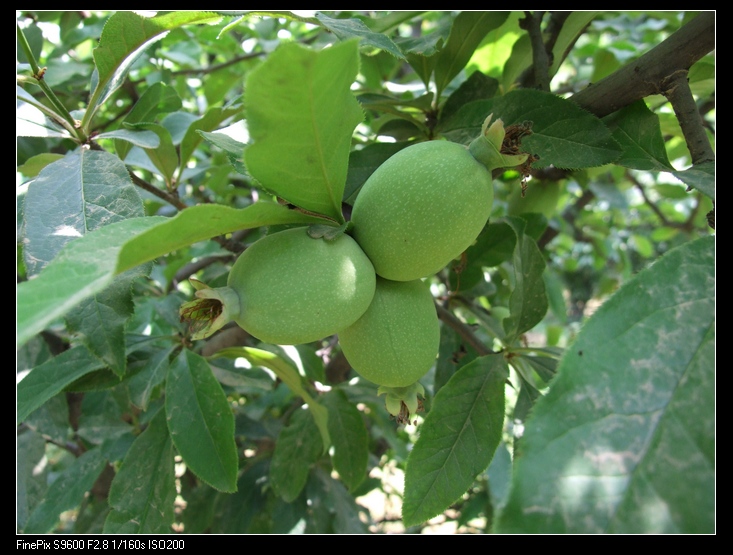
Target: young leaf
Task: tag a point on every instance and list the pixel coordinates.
(350, 439)
(85, 190)
(200, 421)
(298, 447)
(148, 507)
(624, 442)
(66, 492)
(301, 115)
(87, 265)
(457, 439)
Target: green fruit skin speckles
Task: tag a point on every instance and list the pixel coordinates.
(421, 209)
(396, 341)
(295, 289)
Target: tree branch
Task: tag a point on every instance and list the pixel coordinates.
(644, 76)
(677, 90)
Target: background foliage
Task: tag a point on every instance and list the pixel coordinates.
(574, 388)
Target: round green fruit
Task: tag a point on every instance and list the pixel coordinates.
(295, 289)
(540, 197)
(288, 288)
(396, 340)
(421, 209)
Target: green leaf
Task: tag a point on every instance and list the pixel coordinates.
(163, 156)
(457, 439)
(200, 421)
(33, 166)
(466, 34)
(350, 438)
(124, 37)
(100, 320)
(288, 373)
(51, 377)
(300, 108)
(233, 148)
(330, 502)
(142, 138)
(624, 442)
(235, 512)
(346, 29)
(700, 176)
(79, 193)
(31, 481)
(636, 128)
(477, 87)
(87, 265)
(208, 122)
(148, 507)
(158, 99)
(575, 24)
(298, 447)
(528, 302)
(66, 492)
(151, 375)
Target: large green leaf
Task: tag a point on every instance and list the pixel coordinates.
(301, 115)
(88, 264)
(148, 507)
(457, 439)
(83, 191)
(66, 492)
(624, 441)
(200, 421)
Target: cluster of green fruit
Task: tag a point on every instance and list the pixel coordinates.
(418, 211)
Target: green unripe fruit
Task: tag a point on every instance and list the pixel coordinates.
(396, 341)
(540, 197)
(289, 288)
(295, 289)
(422, 208)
